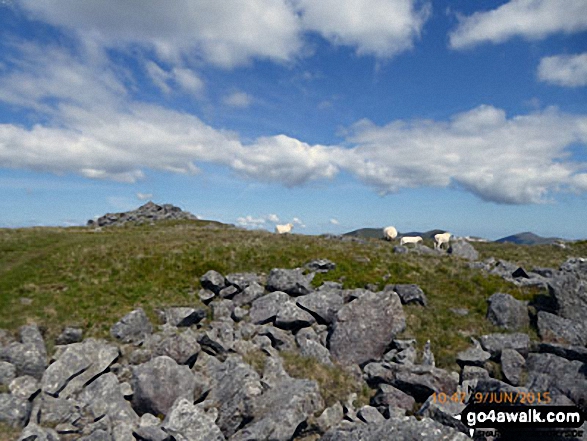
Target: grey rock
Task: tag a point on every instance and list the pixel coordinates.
(330, 417)
(569, 289)
(133, 327)
(50, 411)
(222, 309)
(69, 335)
(148, 212)
(158, 383)
(507, 312)
(330, 286)
(512, 365)
(206, 295)
(14, 411)
(213, 281)
(98, 435)
(218, 339)
(228, 292)
(544, 272)
(312, 348)
(474, 356)
(290, 281)
(24, 387)
(7, 372)
(555, 329)
(182, 347)
(487, 386)
(183, 316)
(26, 358)
(409, 293)
(233, 386)
(370, 415)
(152, 433)
(242, 280)
(249, 294)
(323, 304)
(473, 373)
(444, 412)
(428, 355)
(239, 313)
(292, 318)
(520, 273)
(365, 327)
(389, 396)
(30, 334)
(495, 343)
(104, 397)
(577, 265)
(565, 351)
(348, 295)
(80, 363)
(280, 340)
(398, 428)
(187, 422)
(463, 249)
(32, 432)
(400, 249)
(265, 309)
(320, 265)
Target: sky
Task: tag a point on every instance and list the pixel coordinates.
(330, 114)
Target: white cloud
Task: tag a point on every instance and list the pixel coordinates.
(530, 19)
(251, 222)
(564, 70)
(224, 34)
(184, 78)
(382, 28)
(238, 99)
(144, 196)
(273, 218)
(298, 222)
(334, 221)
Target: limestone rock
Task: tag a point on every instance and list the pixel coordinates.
(290, 281)
(133, 327)
(507, 312)
(266, 308)
(187, 422)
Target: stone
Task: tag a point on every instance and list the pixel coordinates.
(565, 351)
(183, 348)
(242, 280)
(462, 248)
(265, 309)
(460, 311)
(320, 265)
(218, 339)
(133, 327)
(507, 312)
(222, 309)
(152, 433)
(158, 383)
(51, 411)
(370, 415)
(69, 335)
(544, 272)
(389, 396)
(77, 365)
(239, 313)
(409, 293)
(312, 348)
(444, 412)
(474, 356)
(187, 422)
(495, 343)
(183, 316)
(280, 339)
(428, 355)
(103, 397)
(569, 289)
(26, 358)
(213, 281)
(293, 318)
(520, 273)
(473, 373)
(148, 212)
(290, 281)
(364, 328)
(14, 411)
(32, 432)
(25, 387)
(555, 329)
(228, 292)
(206, 295)
(330, 417)
(322, 304)
(249, 294)
(7, 372)
(512, 365)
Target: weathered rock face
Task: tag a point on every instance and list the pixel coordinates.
(266, 308)
(409, 293)
(555, 329)
(364, 328)
(323, 304)
(187, 422)
(507, 312)
(569, 289)
(495, 343)
(290, 281)
(149, 212)
(462, 248)
(512, 365)
(133, 327)
(474, 356)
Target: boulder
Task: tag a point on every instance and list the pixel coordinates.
(389, 396)
(158, 383)
(330, 417)
(311, 347)
(54, 412)
(409, 293)
(32, 432)
(322, 304)
(7, 372)
(507, 312)
(69, 335)
(569, 289)
(26, 358)
(242, 280)
(280, 339)
(293, 318)
(14, 411)
(364, 328)
(290, 281)
(183, 347)
(266, 308)
(249, 294)
(444, 412)
(133, 327)
(187, 422)
(512, 365)
(370, 415)
(182, 316)
(555, 329)
(462, 248)
(25, 387)
(213, 281)
(320, 265)
(474, 356)
(495, 343)
(565, 351)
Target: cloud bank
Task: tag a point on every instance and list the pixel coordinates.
(564, 70)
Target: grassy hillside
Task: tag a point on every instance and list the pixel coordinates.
(63, 276)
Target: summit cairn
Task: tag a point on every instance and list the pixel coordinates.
(150, 212)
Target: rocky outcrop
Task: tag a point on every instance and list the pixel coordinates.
(147, 213)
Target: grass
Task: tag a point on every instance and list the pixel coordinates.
(74, 276)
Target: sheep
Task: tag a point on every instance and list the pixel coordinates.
(410, 239)
(283, 229)
(389, 233)
(441, 238)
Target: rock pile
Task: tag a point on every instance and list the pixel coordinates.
(194, 378)
(147, 213)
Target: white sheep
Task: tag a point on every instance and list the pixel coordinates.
(283, 229)
(410, 239)
(389, 233)
(441, 238)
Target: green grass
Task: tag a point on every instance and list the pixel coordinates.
(75, 276)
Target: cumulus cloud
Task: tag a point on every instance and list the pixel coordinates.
(187, 80)
(273, 218)
(251, 222)
(238, 99)
(530, 19)
(564, 70)
(382, 28)
(298, 222)
(144, 196)
(334, 221)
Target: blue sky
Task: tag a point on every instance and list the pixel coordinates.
(331, 114)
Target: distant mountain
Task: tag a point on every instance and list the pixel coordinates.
(528, 238)
(377, 233)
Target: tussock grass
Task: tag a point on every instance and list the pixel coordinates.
(74, 276)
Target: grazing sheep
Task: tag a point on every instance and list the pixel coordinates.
(441, 238)
(389, 233)
(410, 239)
(283, 229)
